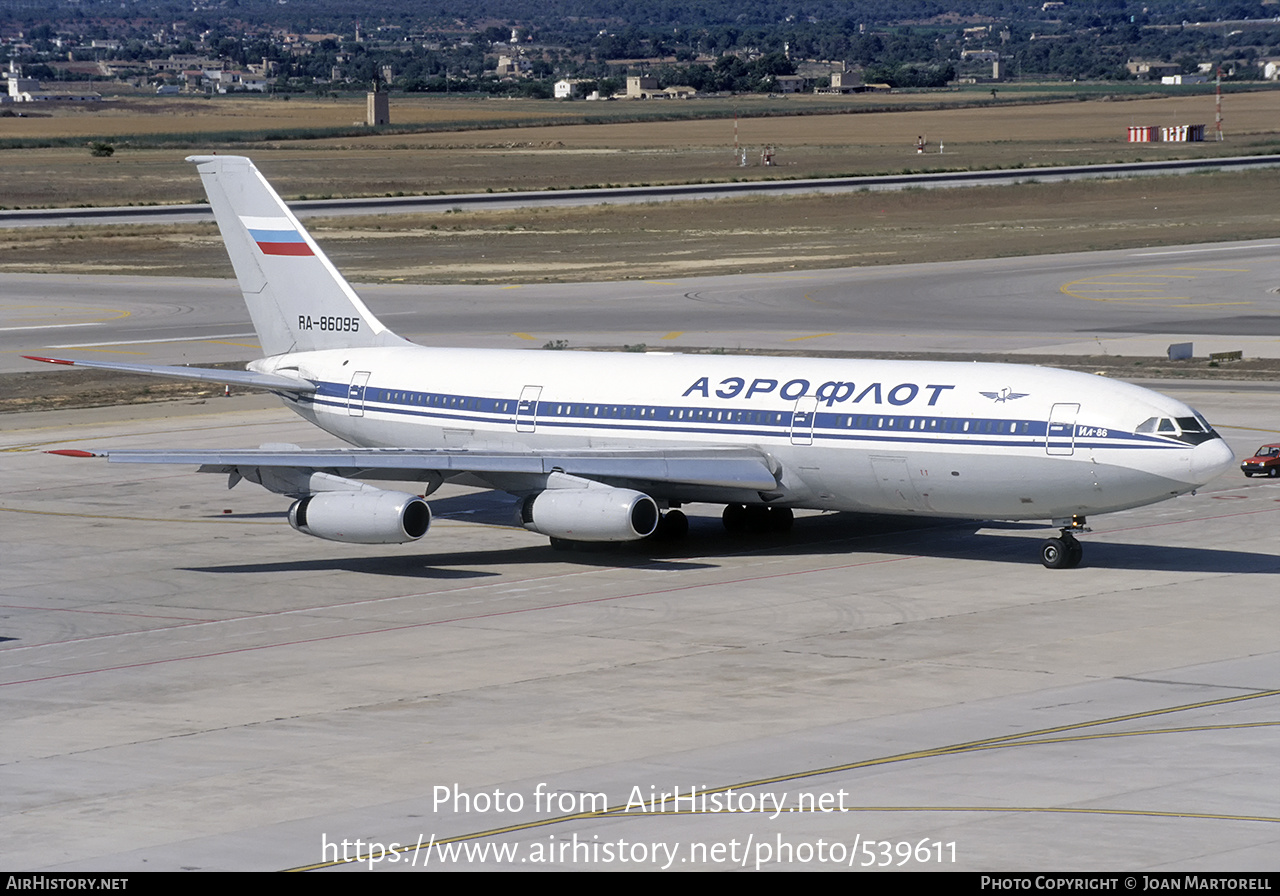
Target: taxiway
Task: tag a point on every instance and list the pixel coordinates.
(189, 684)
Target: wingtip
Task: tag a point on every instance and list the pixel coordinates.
(71, 452)
(49, 360)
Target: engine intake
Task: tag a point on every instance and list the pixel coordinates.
(372, 516)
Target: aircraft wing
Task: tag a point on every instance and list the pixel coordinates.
(272, 382)
(717, 468)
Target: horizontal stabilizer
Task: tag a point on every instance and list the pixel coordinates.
(272, 382)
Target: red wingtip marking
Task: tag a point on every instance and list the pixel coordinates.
(72, 452)
(49, 360)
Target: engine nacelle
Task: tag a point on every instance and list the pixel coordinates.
(372, 516)
(600, 513)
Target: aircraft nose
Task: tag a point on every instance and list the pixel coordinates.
(1209, 459)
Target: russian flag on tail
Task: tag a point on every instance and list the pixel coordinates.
(276, 236)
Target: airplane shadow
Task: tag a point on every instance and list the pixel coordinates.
(708, 543)
(445, 566)
(969, 541)
(1158, 557)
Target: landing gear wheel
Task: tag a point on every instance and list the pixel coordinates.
(734, 518)
(1061, 553)
(758, 519)
(1054, 553)
(673, 526)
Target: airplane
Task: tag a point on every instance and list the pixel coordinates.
(608, 447)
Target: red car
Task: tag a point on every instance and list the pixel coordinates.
(1266, 462)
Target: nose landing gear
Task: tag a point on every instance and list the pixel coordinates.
(1064, 552)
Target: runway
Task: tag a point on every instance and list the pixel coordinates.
(491, 201)
(189, 684)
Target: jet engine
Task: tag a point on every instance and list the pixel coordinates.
(371, 516)
(598, 513)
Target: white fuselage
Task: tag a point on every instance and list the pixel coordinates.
(996, 441)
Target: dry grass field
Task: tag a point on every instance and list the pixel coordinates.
(661, 239)
(179, 118)
(542, 154)
(187, 117)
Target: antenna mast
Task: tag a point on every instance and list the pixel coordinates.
(1219, 102)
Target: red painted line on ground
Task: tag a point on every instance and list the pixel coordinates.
(1197, 519)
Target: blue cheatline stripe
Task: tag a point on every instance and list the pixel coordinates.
(623, 419)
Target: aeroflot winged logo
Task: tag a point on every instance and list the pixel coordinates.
(1005, 394)
(276, 236)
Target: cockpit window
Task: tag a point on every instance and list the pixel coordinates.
(1193, 430)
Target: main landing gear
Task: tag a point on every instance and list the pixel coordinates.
(756, 518)
(673, 526)
(1064, 552)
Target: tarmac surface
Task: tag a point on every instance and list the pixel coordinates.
(189, 684)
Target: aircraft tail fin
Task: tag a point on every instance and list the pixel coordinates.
(296, 297)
